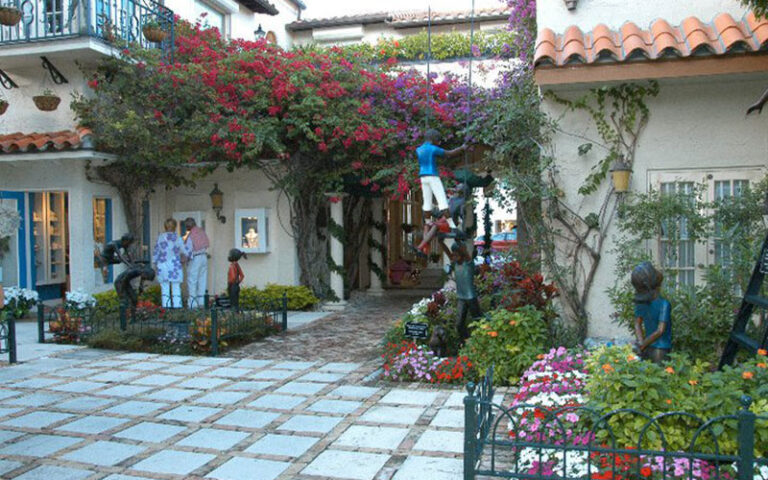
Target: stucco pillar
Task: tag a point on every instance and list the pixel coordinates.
(377, 259)
(337, 252)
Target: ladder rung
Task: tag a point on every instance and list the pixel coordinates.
(761, 302)
(745, 341)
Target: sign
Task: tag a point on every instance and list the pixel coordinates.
(416, 329)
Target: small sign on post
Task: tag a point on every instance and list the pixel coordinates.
(416, 330)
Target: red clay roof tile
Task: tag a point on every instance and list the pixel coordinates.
(40, 142)
(692, 37)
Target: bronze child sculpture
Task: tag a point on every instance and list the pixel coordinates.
(463, 268)
(653, 328)
(235, 277)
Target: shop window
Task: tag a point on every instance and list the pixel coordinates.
(252, 230)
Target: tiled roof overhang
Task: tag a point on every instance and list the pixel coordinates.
(259, 6)
(691, 49)
(402, 19)
(79, 139)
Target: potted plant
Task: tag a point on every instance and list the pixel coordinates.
(48, 101)
(9, 15)
(153, 31)
(3, 105)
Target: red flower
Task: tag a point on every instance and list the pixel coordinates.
(322, 147)
(93, 84)
(646, 471)
(335, 199)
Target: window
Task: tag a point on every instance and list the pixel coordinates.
(252, 230)
(210, 17)
(725, 189)
(677, 250)
(102, 233)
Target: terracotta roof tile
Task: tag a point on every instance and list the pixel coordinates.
(404, 19)
(692, 37)
(41, 142)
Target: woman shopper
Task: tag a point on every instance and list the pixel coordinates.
(169, 253)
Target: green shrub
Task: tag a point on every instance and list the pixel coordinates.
(299, 297)
(618, 379)
(509, 340)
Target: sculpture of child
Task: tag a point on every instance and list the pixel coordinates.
(653, 327)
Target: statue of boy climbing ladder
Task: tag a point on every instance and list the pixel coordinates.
(431, 185)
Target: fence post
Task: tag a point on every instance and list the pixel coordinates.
(40, 322)
(206, 300)
(214, 333)
(11, 339)
(123, 313)
(285, 312)
(470, 433)
(746, 440)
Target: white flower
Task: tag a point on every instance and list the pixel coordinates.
(16, 294)
(80, 299)
(9, 220)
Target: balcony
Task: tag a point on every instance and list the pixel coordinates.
(95, 25)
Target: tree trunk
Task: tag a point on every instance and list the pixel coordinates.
(357, 224)
(311, 243)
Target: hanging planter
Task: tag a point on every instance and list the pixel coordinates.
(10, 16)
(47, 102)
(153, 32)
(3, 106)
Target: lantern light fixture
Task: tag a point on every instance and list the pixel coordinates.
(620, 172)
(217, 202)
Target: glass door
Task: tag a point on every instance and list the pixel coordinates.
(13, 265)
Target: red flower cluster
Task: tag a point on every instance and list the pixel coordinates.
(615, 466)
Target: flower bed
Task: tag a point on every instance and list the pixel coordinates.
(407, 361)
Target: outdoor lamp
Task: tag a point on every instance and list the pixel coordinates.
(217, 202)
(570, 4)
(620, 172)
(259, 33)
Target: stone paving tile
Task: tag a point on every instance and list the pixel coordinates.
(125, 391)
(175, 358)
(441, 441)
(448, 418)
(409, 397)
(353, 391)
(109, 363)
(137, 356)
(75, 372)
(4, 412)
(8, 435)
(146, 366)
(301, 388)
(209, 361)
(310, 423)
(39, 419)
(222, 398)
(229, 372)
(157, 380)
(105, 454)
(115, 376)
(249, 386)
(250, 363)
(213, 438)
(79, 387)
(393, 415)
(282, 445)
(150, 432)
(84, 404)
(9, 393)
(203, 383)
(382, 438)
(39, 445)
(8, 466)
(321, 377)
(186, 369)
(248, 418)
(35, 400)
(124, 477)
(189, 413)
(174, 462)
(172, 394)
(430, 468)
(50, 472)
(93, 424)
(277, 402)
(136, 408)
(240, 468)
(336, 463)
(342, 367)
(273, 374)
(335, 406)
(37, 383)
(294, 365)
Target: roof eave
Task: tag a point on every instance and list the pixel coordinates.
(448, 21)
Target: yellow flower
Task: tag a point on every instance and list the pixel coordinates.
(747, 375)
(670, 370)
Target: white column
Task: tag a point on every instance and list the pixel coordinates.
(337, 252)
(377, 258)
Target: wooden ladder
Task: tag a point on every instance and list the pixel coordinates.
(739, 337)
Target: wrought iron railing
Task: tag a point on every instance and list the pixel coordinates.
(577, 443)
(8, 335)
(119, 22)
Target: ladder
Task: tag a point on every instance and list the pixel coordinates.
(739, 337)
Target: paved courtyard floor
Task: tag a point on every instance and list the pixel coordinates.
(91, 414)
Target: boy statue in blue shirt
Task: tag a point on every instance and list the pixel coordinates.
(653, 328)
(431, 185)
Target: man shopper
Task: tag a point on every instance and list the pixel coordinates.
(196, 242)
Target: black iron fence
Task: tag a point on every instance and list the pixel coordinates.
(8, 335)
(577, 443)
(206, 330)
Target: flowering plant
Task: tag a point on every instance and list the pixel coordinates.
(68, 326)
(407, 361)
(79, 300)
(19, 300)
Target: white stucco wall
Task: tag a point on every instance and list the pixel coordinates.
(242, 189)
(695, 125)
(614, 13)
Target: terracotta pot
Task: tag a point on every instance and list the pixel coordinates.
(10, 16)
(47, 103)
(3, 106)
(154, 34)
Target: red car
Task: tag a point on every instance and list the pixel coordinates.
(500, 242)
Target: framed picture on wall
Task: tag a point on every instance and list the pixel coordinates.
(252, 230)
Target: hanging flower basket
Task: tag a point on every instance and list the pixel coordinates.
(154, 33)
(47, 102)
(10, 16)
(3, 106)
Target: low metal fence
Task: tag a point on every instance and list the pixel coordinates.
(8, 336)
(205, 330)
(530, 442)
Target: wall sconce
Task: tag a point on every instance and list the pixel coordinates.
(620, 172)
(259, 33)
(571, 4)
(217, 202)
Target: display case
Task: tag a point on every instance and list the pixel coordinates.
(49, 230)
(252, 230)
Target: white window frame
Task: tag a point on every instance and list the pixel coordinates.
(704, 252)
(262, 229)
